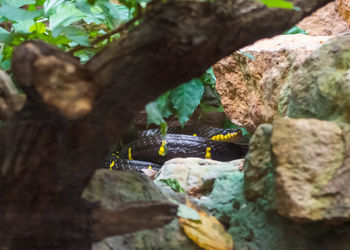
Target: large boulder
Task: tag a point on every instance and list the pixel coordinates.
(251, 81)
(196, 176)
(326, 21)
(321, 87)
(304, 173)
(113, 188)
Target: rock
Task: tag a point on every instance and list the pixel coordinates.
(258, 169)
(253, 226)
(196, 175)
(326, 21)
(168, 237)
(343, 7)
(321, 87)
(248, 222)
(112, 188)
(10, 99)
(251, 88)
(308, 153)
(303, 173)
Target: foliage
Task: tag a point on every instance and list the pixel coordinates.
(174, 185)
(64, 23)
(295, 30)
(278, 4)
(181, 101)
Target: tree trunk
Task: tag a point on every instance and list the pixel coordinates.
(74, 113)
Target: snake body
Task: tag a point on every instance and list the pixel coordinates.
(152, 149)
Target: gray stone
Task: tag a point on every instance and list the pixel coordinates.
(321, 87)
(196, 175)
(258, 170)
(113, 188)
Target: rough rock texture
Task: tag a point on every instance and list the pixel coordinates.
(304, 172)
(10, 100)
(254, 227)
(250, 87)
(169, 237)
(343, 7)
(321, 87)
(258, 170)
(248, 222)
(308, 153)
(111, 189)
(196, 175)
(326, 21)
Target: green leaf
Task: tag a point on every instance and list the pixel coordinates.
(51, 5)
(18, 3)
(187, 213)
(39, 2)
(24, 26)
(186, 98)
(164, 105)
(73, 33)
(278, 4)
(17, 14)
(65, 15)
(209, 78)
(153, 114)
(83, 6)
(114, 14)
(4, 35)
(31, 7)
(84, 55)
(38, 27)
(174, 184)
(295, 30)
(6, 64)
(208, 108)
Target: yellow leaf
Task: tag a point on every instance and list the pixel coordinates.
(207, 233)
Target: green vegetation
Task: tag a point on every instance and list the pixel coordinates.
(278, 4)
(181, 101)
(294, 30)
(174, 185)
(64, 23)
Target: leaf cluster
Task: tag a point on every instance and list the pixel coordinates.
(64, 23)
(181, 101)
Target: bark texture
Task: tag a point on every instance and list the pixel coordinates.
(50, 149)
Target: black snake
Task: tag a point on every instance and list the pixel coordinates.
(151, 149)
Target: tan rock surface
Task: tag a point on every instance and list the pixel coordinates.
(250, 88)
(308, 154)
(326, 21)
(343, 7)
